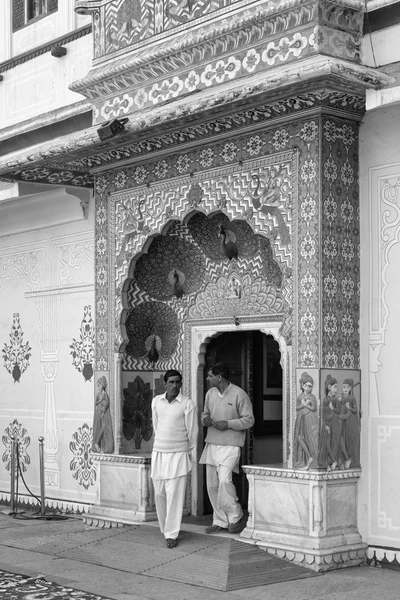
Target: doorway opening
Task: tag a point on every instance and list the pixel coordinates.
(254, 359)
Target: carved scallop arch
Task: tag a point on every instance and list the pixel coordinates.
(167, 205)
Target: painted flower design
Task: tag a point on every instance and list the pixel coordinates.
(280, 139)
(308, 209)
(120, 179)
(330, 131)
(308, 171)
(330, 285)
(308, 359)
(347, 288)
(330, 170)
(228, 152)
(81, 465)
(254, 145)
(101, 245)
(161, 169)
(347, 173)
(347, 212)
(307, 247)
(192, 81)
(330, 209)
(101, 336)
(309, 131)
(330, 247)
(348, 135)
(102, 306)
(16, 354)
(183, 163)
(101, 184)
(102, 276)
(19, 433)
(331, 360)
(330, 325)
(140, 174)
(251, 60)
(82, 349)
(308, 285)
(206, 157)
(140, 98)
(348, 250)
(347, 325)
(308, 323)
(101, 215)
(348, 360)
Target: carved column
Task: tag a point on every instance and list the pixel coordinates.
(118, 404)
(52, 470)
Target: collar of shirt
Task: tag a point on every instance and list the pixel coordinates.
(179, 398)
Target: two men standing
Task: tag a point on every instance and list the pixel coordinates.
(227, 414)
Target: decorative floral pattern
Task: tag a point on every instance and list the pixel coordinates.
(16, 431)
(82, 350)
(16, 354)
(82, 466)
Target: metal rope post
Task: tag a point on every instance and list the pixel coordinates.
(41, 469)
(13, 473)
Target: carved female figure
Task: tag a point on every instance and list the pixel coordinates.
(330, 425)
(103, 440)
(351, 431)
(306, 426)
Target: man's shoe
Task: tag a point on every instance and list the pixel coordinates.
(171, 543)
(234, 527)
(215, 529)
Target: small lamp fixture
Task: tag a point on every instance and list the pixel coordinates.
(58, 51)
(110, 129)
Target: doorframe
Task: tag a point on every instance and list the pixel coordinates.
(197, 335)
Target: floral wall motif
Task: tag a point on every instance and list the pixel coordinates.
(19, 433)
(82, 466)
(16, 354)
(340, 245)
(82, 350)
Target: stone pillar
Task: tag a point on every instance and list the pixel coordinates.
(51, 469)
(118, 404)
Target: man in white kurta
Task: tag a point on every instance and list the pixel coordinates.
(175, 435)
(228, 412)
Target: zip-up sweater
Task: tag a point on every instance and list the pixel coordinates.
(235, 407)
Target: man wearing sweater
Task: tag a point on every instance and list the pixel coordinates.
(175, 434)
(228, 412)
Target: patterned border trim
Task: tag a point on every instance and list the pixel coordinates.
(73, 507)
(328, 562)
(120, 458)
(377, 556)
(64, 39)
(306, 475)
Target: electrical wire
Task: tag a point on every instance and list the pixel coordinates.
(370, 32)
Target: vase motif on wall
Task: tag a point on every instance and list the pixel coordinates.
(16, 354)
(82, 350)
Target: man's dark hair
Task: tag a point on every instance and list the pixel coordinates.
(221, 369)
(172, 373)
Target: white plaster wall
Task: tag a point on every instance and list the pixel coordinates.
(41, 84)
(379, 489)
(47, 276)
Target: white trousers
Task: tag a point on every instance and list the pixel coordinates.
(222, 494)
(169, 495)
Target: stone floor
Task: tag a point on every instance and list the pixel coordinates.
(133, 563)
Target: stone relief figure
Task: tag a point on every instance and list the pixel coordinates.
(306, 426)
(330, 426)
(103, 440)
(267, 200)
(350, 424)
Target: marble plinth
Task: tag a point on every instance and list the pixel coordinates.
(125, 492)
(308, 517)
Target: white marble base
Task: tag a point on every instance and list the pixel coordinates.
(308, 517)
(125, 492)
